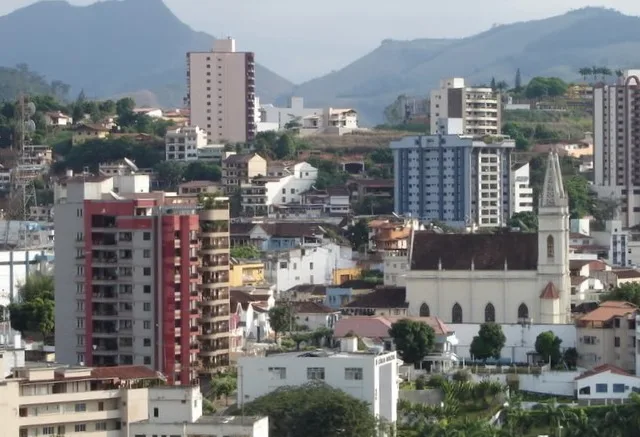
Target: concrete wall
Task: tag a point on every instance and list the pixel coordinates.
(429, 397)
(551, 383)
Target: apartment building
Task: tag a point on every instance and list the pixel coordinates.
(238, 170)
(463, 110)
(607, 335)
(73, 401)
(369, 376)
(221, 92)
(263, 194)
(177, 411)
(453, 179)
(182, 144)
(616, 136)
(127, 277)
(293, 112)
(521, 193)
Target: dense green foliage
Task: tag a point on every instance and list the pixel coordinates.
(280, 319)
(540, 87)
(629, 292)
(245, 252)
(489, 342)
(548, 347)
(329, 173)
(172, 173)
(20, 79)
(413, 340)
(34, 309)
(358, 235)
(314, 410)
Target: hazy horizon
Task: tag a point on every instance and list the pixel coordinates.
(303, 43)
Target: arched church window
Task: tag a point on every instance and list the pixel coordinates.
(523, 312)
(550, 247)
(456, 314)
(424, 310)
(489, 313)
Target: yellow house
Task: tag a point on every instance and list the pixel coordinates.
(86, 132)
(340, 276)
(245, 272)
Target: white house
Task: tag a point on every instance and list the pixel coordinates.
(307, 265)
(369, 376)
(57, 119)
(333, 201)
(249, 316)
(585, 289)
(606, 382)
(182, 144)
(315, 315)
(509, 277)
(149, 112)
(521, 191)
(263, 193)
(276, 117)
(177, 411)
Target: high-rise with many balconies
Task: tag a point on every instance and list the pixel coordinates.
(221, 92)
(128, 277)
(457, 109)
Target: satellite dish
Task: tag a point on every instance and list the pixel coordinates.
(30, 109)
(131, 165)
(30, 126)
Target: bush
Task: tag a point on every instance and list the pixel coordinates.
(436, 381)
(421, 382)
(462, 376)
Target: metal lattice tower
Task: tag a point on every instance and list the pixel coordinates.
(23, 191)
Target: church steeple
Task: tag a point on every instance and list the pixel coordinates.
(553, 194)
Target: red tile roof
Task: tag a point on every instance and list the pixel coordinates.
(627, 274)
(368, 327)
(485, 251)
(124, 372)
(604, 369)
(577, 280)
(439, 327)
(607, 311)
(550, 292)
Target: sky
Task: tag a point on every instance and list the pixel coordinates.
(301, 39)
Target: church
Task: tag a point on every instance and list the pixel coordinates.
(508, 277)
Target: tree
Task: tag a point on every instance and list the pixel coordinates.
(314, 410)
(540, 87)
(493, 83)
(413, 340)
(358, 234)
(124, 111)
(489, 342)
(502, 86)
(280, 319)
(580, 199)
(548, 346)
(570, 357)
(285, 147)
(34, 309)
(170, 173)
(202, 171)
(527, 221)
(629, 292)
(245, 252)
(584, 72)
(518, 81)
(222, 386)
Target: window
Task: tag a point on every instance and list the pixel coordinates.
(353, 373)
(146, 324)
(146, 253)
(146, 236)
(80, 340)
(489, 313)
(456, 313)
(147, 271)
(80, 408)
(48, 430)
(550, 248)
(616, 341)
(147, 361)
(314, 373)
(147, 289)
(146, 342)
(523, 312)
(80, 427)
(424, 310)
(602, 388)
(310, 266)
(101, 426)
(156, 413)
(618, 388)
(146, 306)
(278, 372)
(283, 265)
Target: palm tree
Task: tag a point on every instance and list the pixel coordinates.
(594, 71)
(555, 416)
(605, 72)
(584, 72)
(579, 425)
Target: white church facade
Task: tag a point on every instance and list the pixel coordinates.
(508, 277)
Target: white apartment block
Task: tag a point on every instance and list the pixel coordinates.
(221, 92)
(331, 121)
(311, 264)
(294, 112)
(177, 411)
(616, 136)
(454, 179)
(182, 144)
(521, 191)
(369, 376)
(459, 109)
(262, 194)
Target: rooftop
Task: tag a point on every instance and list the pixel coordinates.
(306, 307)
(607, 311)
(240, 158)
(378, 326)
(605, 368)
(326, 353)
(627, 274)
(383, 297)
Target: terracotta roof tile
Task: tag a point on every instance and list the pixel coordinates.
(368, 327)
(124, 372)
(485, 251)
(594, 265)
(627, 274)
(383, 297)
(550, 292)
(607, 311)
(603, 369)
(439, 327)
(243, 158)
(577, 280)
(306, 307)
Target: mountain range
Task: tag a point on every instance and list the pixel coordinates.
(138, 47)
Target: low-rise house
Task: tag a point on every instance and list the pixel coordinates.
(606, 335)
(86, 132)
(331, 201)
(195, 188)
(370, 376)
(337, 297)
(305, 293)
(238, 170)
(584, 289)
(383, 301)
(361, 188)
(245, 272)
(606, 383)
(57, 118)
(315, 315)
(249, 317)
(281, 235)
